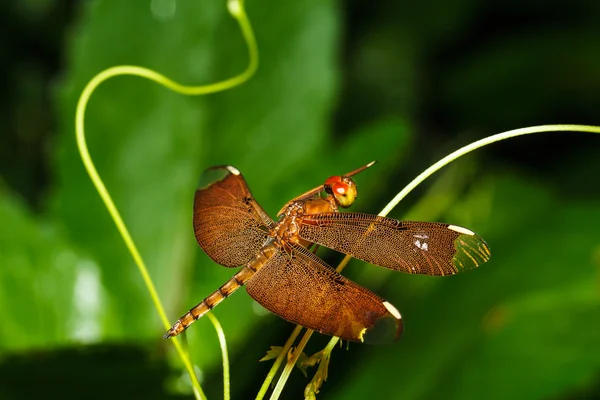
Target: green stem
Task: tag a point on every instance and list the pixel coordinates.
(476, 145)
(223, 345)
(236, 9)
(289, 366)
(426, 174)
(277, 363)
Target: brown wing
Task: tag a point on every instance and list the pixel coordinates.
(229, 224)
(299, 287)
(426, 248)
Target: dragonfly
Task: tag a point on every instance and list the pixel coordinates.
(281, 272)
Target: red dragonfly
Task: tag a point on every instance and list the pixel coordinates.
(285, 277)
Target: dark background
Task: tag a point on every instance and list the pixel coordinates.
(339, 84)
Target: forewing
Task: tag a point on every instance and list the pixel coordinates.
(427, 248)
(299, 287)
(229, 224)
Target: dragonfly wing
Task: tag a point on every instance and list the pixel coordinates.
(426, 248)
(229, 224)
(301, 288)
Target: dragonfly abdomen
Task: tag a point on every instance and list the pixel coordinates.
(234, 283)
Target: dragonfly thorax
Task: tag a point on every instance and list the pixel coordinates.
(287, 226)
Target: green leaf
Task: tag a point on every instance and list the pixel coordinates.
(150, 145)
(49, 294)
(272, 354)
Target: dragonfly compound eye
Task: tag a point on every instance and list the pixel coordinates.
(344, 192)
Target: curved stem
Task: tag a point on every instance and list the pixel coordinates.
(225, 356)
(236, 9)
(476, 145)
(418, 180)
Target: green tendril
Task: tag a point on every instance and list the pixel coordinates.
(390, 206)
(236, 9)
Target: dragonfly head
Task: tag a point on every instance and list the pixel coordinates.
(343, 190)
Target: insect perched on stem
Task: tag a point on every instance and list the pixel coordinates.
(283, 275)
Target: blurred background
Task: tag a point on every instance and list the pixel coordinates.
(339, 84)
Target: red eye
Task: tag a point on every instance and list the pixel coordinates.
(340, 188)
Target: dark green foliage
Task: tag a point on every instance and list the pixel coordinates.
(339, 84)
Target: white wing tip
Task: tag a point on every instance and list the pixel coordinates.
(233, 170)
(460, 229)
(392, 310)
